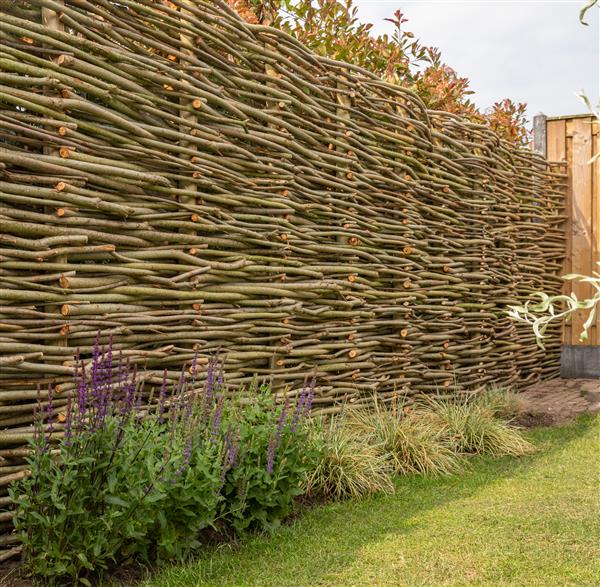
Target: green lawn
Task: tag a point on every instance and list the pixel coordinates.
(526, 522)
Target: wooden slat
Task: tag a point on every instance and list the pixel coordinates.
(595, 339)
(581, 208)
(556, 150)
(556, 137)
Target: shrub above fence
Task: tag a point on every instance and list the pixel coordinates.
(186, 182)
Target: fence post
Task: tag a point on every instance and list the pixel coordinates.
(540, 134)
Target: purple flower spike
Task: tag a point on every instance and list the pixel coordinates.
(216, 424)
(311, 395)
(120, 374)
(189, 446)
(194, 369)
(76, 370)
(82, 399)
(276, 439)
(299, 409)
(231, 452)
(69, 422)
(95, 369)
(108, 378)
(50, 413)
(179, 392)
(50, 409)
(209, 387)
(220, 378)
(162, 397)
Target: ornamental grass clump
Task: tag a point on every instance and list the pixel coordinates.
(501, 402)
(348, 465)
(471, 428)
(135, 480)
(414, 445)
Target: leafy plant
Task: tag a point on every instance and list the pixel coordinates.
(348, 465)
(134, 480)
(413, 444)
(273, 458)
(117, 484)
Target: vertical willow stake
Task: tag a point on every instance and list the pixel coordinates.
(343, 111)
(51, 20)
(266, 18)
(186, 183)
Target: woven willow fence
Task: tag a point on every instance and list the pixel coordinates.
(186, 182)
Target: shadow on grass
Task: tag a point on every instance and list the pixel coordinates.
(328, 538)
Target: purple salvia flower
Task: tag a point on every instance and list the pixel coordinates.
(231, 452)
(109, 356)
(101, 376)
(187, 455)
(120, 374)
(38, 435)
(311, 395)
(180, 393)
(216, 424)
(194, 368)
(283, 415)
(220, 378)
(209, 387)
(299, 409)
(189, 446)
(76, 369)
(104, 398)
(69, 422)
(162, 397)
(82, 399)
(189, 401)
(108, 378)
(50, 410)
(95, 369)
(276, 438)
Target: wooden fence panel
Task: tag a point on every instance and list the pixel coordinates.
(574, 140)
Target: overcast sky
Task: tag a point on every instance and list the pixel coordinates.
(533, 51)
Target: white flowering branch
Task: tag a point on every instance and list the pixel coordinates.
(539, 314)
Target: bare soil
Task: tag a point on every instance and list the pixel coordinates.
(558, 401)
